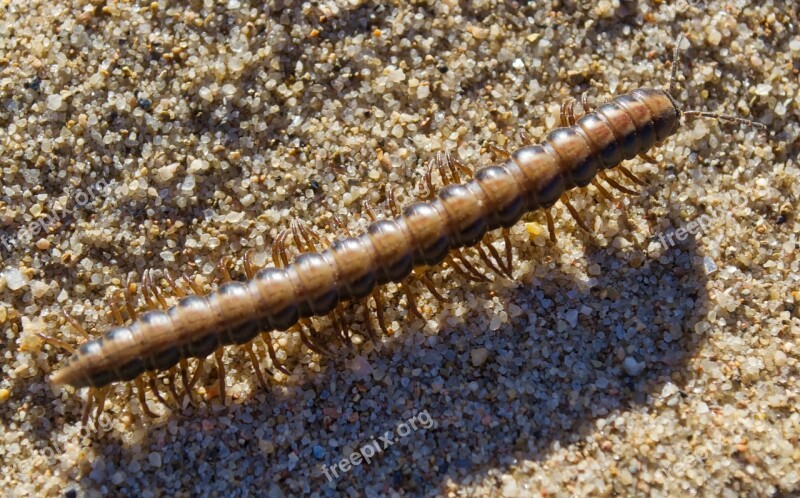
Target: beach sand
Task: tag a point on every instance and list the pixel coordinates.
(637, 360)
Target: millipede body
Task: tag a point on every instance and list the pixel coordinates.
(532, 177)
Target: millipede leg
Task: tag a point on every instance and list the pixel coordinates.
(307, 341)
(574, 213)
(430, 192)
(564, 114)
(115, 309)
(249, 267)
(605, 193)
(376, 295)
(468, 171)
(298, 242)
(551, 226)
(148, 301)
(647, 158)
(311, 237)
(392, 198)
(499, 151)
(428, 283)
(87, 410)
(151, 381)
(157, 294)
(412, 302)
(195, 288)
(506, 270)
(63, 344)
(196, 375)
(128, 390)
(370, 212)
(279, 256)
(172, 386)
(267, 338)
(341, 225)
(502, 263)
(616, 185)
(282, 251)
(635, 179)
(310, 338)
(525, 137)
(57, 342)
(101, 403)
(368, 322)
(439, 161)
(446, 165)
(322, 342)
(75, 324)
(341, 334)
(260, 356)
(254, 360)
(160, 298)
(184, 371)
(341, 326)
(509, 252)
(571, 112)
(585, 104)
(221, 368)
(470, 268)
(222, 268)
(457, 168)
(176, 289)
(140, 387)
(487, 261)
(129, 285)
(152, 289)
(455, 265)
(440, 167)
(276, 260)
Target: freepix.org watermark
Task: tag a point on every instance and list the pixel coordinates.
(671, 237)
(94, 428)
(25, 235)
(421, 420)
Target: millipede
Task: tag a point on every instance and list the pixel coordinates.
(153, 350)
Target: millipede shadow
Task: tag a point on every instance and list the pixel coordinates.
(549, 377)
(560, 393)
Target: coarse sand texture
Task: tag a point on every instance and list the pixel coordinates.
(654, 355)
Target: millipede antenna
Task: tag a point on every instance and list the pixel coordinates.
(694, 113)
(674, 68)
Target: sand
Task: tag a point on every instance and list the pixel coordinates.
(657, 356)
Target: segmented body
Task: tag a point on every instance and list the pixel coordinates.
(532, 178)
